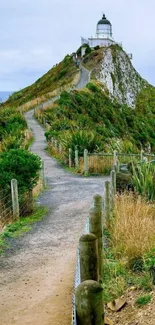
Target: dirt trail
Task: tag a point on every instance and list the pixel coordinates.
(36, 273)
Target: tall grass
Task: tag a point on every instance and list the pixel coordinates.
(97, 164)
(133, 227)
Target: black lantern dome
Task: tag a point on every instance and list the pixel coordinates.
(104, 21)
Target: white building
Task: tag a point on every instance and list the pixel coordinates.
(103, 35)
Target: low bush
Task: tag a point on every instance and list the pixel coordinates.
(80, 140)
(91, 108)
(20, 165)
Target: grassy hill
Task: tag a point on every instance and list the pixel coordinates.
(101, 111)
(59, 76)
(113, 126)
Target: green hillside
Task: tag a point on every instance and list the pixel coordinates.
(59, 76)
(101, 111)
(91, 111)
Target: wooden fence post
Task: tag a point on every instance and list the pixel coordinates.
(113, 180)
(142, 155)
(60, 149)
(15, 201)
(89, 303)
(107, 201)
(86, 167)
(56, 144)
(76, 159)
(95, 226)
(70, 158)
(113, 187)
(88, 249)
(115, 157)
(43, 174)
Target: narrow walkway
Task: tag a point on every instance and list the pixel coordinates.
(36, 275)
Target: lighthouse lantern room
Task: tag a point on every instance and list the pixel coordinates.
(103, 35)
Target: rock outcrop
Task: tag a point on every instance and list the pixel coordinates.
(119, 76)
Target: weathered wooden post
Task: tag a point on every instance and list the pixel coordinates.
(60, 149)
(56, 144)
(95, 227)
(86, 167)
(107, 201)
(115, 157)
(142, 155)
(42, 174)
(89, 303)
(118, 166)
(76, 159)
(113, 187)
(15, 201)
(70, 158)
(88, 249)
(113, 181)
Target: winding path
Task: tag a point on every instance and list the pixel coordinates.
(36, 279)
(84, 77)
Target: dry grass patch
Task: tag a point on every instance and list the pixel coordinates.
(97, 164)
(133, 227)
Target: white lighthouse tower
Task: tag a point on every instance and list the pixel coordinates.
(103, 35)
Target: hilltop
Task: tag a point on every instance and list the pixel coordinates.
(63, 74)
(117, 105)
(109, 65)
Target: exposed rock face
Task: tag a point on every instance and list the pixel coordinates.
(119, 76)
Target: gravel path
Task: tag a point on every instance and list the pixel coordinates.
(36, 280)
(84, 78)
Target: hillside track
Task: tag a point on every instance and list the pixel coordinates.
(37, 271)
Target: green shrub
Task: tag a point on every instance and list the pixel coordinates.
(88, 50)
(20, 165)
(96, 47)
(81, 140)
(12, 142)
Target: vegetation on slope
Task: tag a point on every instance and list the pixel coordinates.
(12, 129)
(60, 75)
(113, 126)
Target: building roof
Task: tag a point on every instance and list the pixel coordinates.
(104, 21)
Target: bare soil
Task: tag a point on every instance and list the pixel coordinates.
(37, 271)
(131, 314)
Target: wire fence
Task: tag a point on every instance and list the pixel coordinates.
(16, 203)
(6, 209)
(94, 163)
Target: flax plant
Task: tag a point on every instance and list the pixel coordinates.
(144, 180)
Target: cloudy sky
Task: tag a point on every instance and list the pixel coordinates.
(36, 34)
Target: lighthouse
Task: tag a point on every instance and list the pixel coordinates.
(103, 36)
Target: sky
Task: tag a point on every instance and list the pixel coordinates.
(37, 34)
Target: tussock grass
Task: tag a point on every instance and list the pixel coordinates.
(133, 227)
(143, 300)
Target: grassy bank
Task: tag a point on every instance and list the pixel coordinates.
(130, 256)
(20, 227)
